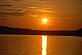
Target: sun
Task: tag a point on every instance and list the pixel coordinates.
(44, 20)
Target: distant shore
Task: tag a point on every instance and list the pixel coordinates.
(20, 31)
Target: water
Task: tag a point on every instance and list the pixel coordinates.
(40, 45)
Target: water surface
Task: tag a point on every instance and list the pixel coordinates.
(32, 45)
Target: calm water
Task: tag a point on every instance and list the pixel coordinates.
(40, 45)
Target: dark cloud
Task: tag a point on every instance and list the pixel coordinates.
(19, 0)
(4, 5)
(4, 14)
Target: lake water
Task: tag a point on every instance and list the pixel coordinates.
(40, 45)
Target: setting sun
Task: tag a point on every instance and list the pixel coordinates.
(44, 20)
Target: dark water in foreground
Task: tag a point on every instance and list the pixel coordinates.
(32, 45)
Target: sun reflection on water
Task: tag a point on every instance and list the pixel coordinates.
(44, 44)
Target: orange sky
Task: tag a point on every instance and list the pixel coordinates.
(61, 14)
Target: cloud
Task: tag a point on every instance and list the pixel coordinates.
(4, 5)
(5, 14)
(3, 18)
(19, 0)
(15, 9)
(10, 10)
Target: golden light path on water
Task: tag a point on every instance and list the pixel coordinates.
(44, 44)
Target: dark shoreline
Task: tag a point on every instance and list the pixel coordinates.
(20, 31)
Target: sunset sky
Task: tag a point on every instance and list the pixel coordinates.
(61, 14)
